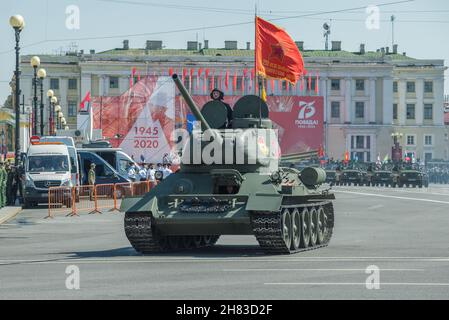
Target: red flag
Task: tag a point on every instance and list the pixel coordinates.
(131, 81)
(184, 74)
(227, 80)
(309, 83)
(317, 89)
(133, 71)
(277, 55)
(199, 73)
(83, 106)
(301, 86)
(245, 73)
(212, 81)
(138, 76)
(346, 156)
(272, 85)
(206, 79)
(234, 81)
(170, 71)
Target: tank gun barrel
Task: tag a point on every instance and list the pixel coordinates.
(193, 107)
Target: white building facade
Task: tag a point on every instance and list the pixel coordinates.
(368, 96)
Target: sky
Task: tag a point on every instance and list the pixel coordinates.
(420, 28)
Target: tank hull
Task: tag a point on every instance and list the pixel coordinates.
(259, 208)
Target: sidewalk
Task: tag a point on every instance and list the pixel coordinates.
(7, 213)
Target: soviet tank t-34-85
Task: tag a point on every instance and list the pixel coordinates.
(229, 183)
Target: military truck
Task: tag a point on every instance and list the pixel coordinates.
(352, 176)
(241, 192)
(383, 178)
(412, 176)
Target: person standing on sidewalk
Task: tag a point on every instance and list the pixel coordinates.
(91, 180)
(3, 178)
(9, 184)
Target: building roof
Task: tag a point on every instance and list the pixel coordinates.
(250, 53)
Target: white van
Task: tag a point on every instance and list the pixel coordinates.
(47, 165)
(70, 143)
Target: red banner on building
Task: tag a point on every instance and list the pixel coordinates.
(141, 120)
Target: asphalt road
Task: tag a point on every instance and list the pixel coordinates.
(402, 232)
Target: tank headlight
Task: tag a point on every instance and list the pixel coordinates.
(275, 176)
(158, 175)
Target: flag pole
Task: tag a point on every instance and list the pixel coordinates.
(255, 49)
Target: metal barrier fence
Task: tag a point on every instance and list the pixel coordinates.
(93, 199)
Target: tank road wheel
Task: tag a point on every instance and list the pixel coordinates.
(207, 240)
(296, 229)
(197, 241)
(187, 242)
(322, 226)
(305, 228)
(173, 242)
(287, 228)
(313, 227)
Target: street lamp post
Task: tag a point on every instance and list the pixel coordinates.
(35, 63)
(396, 150)
(54, 102)
(41, 73)
(3, 143)
(18, 24)
(50, 95)
(60, 116)
(58, 111)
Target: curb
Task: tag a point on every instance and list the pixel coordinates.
(14, 212)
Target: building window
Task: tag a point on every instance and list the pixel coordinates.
(410, 140)
(360, 142)
(395, 111)
(72, 84)
(410, 111)
(410, 87)
(239, 83)
(335, 109)
(359, 110)
(335, 84)
(360, 85)
(428, 156)
(428, 86)
(54, 84)
(395, 86)
(428, 112)
(428, 140)
(113, 82)
(284, 85)
(72, 108)
(313, 84)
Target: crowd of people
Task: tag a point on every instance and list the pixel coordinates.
(10, 183)
(148, 172)
(438, 172)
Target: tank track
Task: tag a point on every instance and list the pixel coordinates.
(267, 227)
(145, 238)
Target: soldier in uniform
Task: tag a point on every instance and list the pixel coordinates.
(9, 184)
(3, 177)
(91, 180)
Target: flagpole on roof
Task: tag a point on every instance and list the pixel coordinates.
(255, 49)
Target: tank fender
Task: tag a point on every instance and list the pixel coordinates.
(140, 204)
(264, 202)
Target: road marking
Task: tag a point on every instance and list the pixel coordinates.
(416, 284)
(221, 260)
(314, 269)
(391, 197)
(424, 191)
